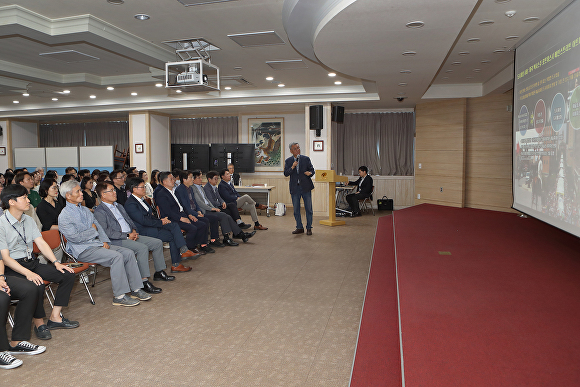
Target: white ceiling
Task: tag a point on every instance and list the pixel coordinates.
(363, 41)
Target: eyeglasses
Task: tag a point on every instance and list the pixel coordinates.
(111, 190)
(140, 187)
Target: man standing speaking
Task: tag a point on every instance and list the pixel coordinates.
(300, 170)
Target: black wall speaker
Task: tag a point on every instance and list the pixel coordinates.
(316, 117)
(338, 114)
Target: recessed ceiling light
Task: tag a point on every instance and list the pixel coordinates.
(159, 85)
(142, 16)
(133, 93)
(25, 94)
(486, 22)
(405, 71)
(456, 63)
(116, 2)
(476, 70)
(468, 77)
(473, 40)
(415, 24)
(269, 78)
(449, 71)
(178, 91)
(227, 88)
(502, 1)
(403, 84)
(110, 88)
(401, 93)
(485, 61)
(15, 101)
(332, 74)
(531, 19)
(66, 91)
(55, 99)
(499, 51)
(281, 85)
(338, 83)
(92, 96)
(409, 53)
(238, 68)
(513, 37)
(511, 13)
(462, 53)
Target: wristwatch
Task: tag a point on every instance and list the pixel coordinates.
(2, 275)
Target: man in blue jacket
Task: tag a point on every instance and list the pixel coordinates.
(230, 195)
(300, 170)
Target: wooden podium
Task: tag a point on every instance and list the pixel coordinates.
(330, 177)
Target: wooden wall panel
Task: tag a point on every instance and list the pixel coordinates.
(488, 167)
(440, 149)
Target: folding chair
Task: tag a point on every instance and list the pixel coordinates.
(366, 203)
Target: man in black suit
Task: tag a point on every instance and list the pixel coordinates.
(196, 233)
(235, 176)
(228, 192)
(300, 170)
(212, 194)
(118, 179)
(147, 224)
(363, 190)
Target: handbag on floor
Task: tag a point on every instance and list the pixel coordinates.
(385, 204)
(280, 209)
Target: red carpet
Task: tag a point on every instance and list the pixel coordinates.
(377, 362)
(499, 307)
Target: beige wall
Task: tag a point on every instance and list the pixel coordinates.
(464, 148)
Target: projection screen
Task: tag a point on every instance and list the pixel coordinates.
(546, 127)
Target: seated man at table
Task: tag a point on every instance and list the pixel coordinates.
(364, 189)
(212, 193)
(88, 242)
(148, 224)
(17, 234)
(122, 232)
(230, 195)
(195, 232)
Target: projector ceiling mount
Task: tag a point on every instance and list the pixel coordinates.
(192, 48)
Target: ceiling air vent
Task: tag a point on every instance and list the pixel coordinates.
(189, 3)
(254, 39)
(287, 64)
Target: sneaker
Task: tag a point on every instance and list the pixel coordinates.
(166, 245)
(42, 332)
(125, 301)
(140, 294)
(64, 324)
(26, 348)
(7, 361)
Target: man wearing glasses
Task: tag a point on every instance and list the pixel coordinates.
(118, 179)
(122, 232)
(147, 224)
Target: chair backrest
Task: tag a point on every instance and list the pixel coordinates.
(51, 237)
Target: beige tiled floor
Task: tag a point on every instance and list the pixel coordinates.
(282, 310)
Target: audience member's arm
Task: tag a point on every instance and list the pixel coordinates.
(73, 231)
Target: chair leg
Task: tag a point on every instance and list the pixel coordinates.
(49, 295)
(89, 292)
(10, 320)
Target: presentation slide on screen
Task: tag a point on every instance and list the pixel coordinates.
(546, 153)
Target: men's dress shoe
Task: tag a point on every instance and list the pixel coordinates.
(309, 231)
(180, 268)
(148, 287)
(261, 206)
(217, 243)
(260, 227)
(207, 249)
(64, 324)
(189, 255)
(162, 276)
(355, 214)
(244, 226)
(230, 242)
(140, 295)
(42, 332)
(298, 231)
(198, 251)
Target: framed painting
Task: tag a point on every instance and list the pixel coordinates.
(267, 135)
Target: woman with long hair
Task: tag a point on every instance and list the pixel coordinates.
(154, 181)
